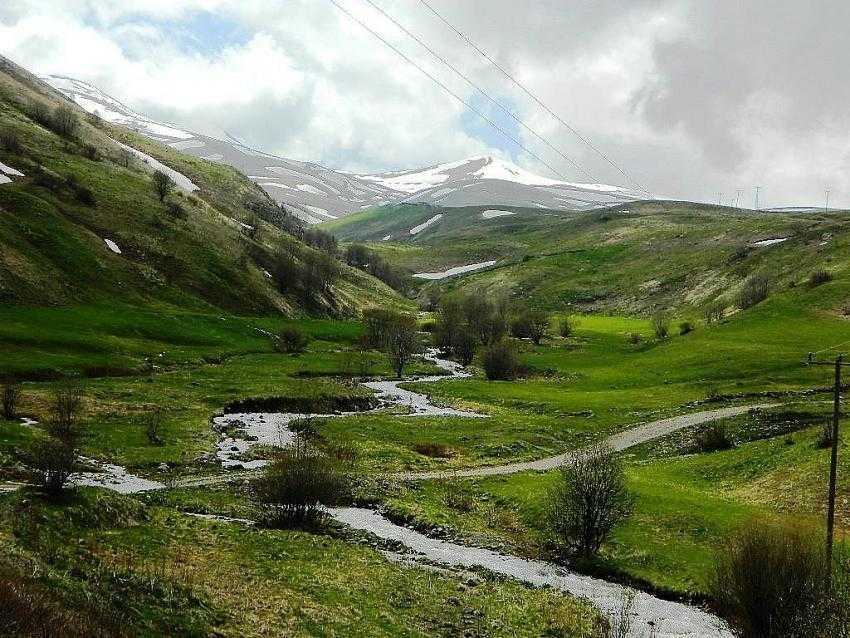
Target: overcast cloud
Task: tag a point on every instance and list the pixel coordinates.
(691, 98)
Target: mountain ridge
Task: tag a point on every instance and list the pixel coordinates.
(318, 194)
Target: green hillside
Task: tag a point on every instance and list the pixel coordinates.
(186, 257)
(633, 258)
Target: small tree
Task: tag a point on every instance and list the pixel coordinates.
(298, 481)
(772, 581)
(65, 411)
(566, 328)
(661, 326)
(589, 499)
(162, 185)
(52, 462)
(11, 392)
(292, 340)
(65, 122)
(531, 324)
(500, 361)
(401, 342)
(464, 345)
(153, 425)
(754, 291)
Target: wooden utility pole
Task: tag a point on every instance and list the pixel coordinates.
(833, 461)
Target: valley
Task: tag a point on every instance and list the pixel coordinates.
(302, 443)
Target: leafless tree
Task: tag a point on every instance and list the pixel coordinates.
(65, 411)
(589, 499)
(11, 392)
(402, 342)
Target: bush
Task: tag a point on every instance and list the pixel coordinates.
(175, 210)
(11, 393)
(297, 482)
(90, 152)
(685, 327)
(52, 462)
(754, 291)
(500, 361)
(588, 500)
(292, 340)
(83, 194)
(712, 438)
(463, 345)
(715, 311)
(660, 326)
(566, 328)
(153, 425)
(9, 141)
(64, 122)
(531, 324)
(824, 439)
(634, 338)
(433, 450)
(65, 410)
(819, 277)
(772, 581)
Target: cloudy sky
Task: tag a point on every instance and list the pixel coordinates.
(693, 99)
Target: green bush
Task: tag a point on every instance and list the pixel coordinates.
(566, 328)
(819, 277)
(292, 340)
(500, 361)
(713, 437)
(299, 480)
(773, 581)
(685, 327)
(754, 291)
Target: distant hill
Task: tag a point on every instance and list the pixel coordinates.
(637, 257)
(317, 194)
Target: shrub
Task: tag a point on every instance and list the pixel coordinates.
(433, 450)
(463, 345)
(52, 462)
(83, 194)
(531, 324)
(9, 141)
(500, 361)
(175, 210)
(685, 327)
(715, 311)
(588, 500)
(153, 425)
(65, 410)
(64, 122)
(713, 437)
(292, 340)
(401, 342)
(634, 338)
(754, 291)
(772, 581)
(91, 152)
(661, 326)
(739, 253)
(457, 496)
(162, 185)
(824, 439)
(819, 277)
(297, 482)
(566, 328)
(11, 393)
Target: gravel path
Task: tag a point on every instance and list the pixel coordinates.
(620, 441)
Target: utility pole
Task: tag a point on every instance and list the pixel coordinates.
(833, 462)
(833, 459)
(757, 189)
(738, 193)
(826, 208)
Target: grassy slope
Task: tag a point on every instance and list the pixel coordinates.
(630, 259)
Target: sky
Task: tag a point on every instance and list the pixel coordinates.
(691, 99)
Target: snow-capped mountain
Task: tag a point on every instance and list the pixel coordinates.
(318, 194)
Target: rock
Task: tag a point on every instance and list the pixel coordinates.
(163, 467)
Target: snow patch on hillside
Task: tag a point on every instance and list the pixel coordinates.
(112, 246)
(182, 182)
(492, 213)
(770, 242)
(418, 229)
(8, 170)
(457, 270)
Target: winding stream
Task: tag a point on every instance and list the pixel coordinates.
(648, 616)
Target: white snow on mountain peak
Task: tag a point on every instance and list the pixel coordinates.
(316, 193)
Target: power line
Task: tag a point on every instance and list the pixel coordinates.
(452, 93)
(466, 79)
(539, 102)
